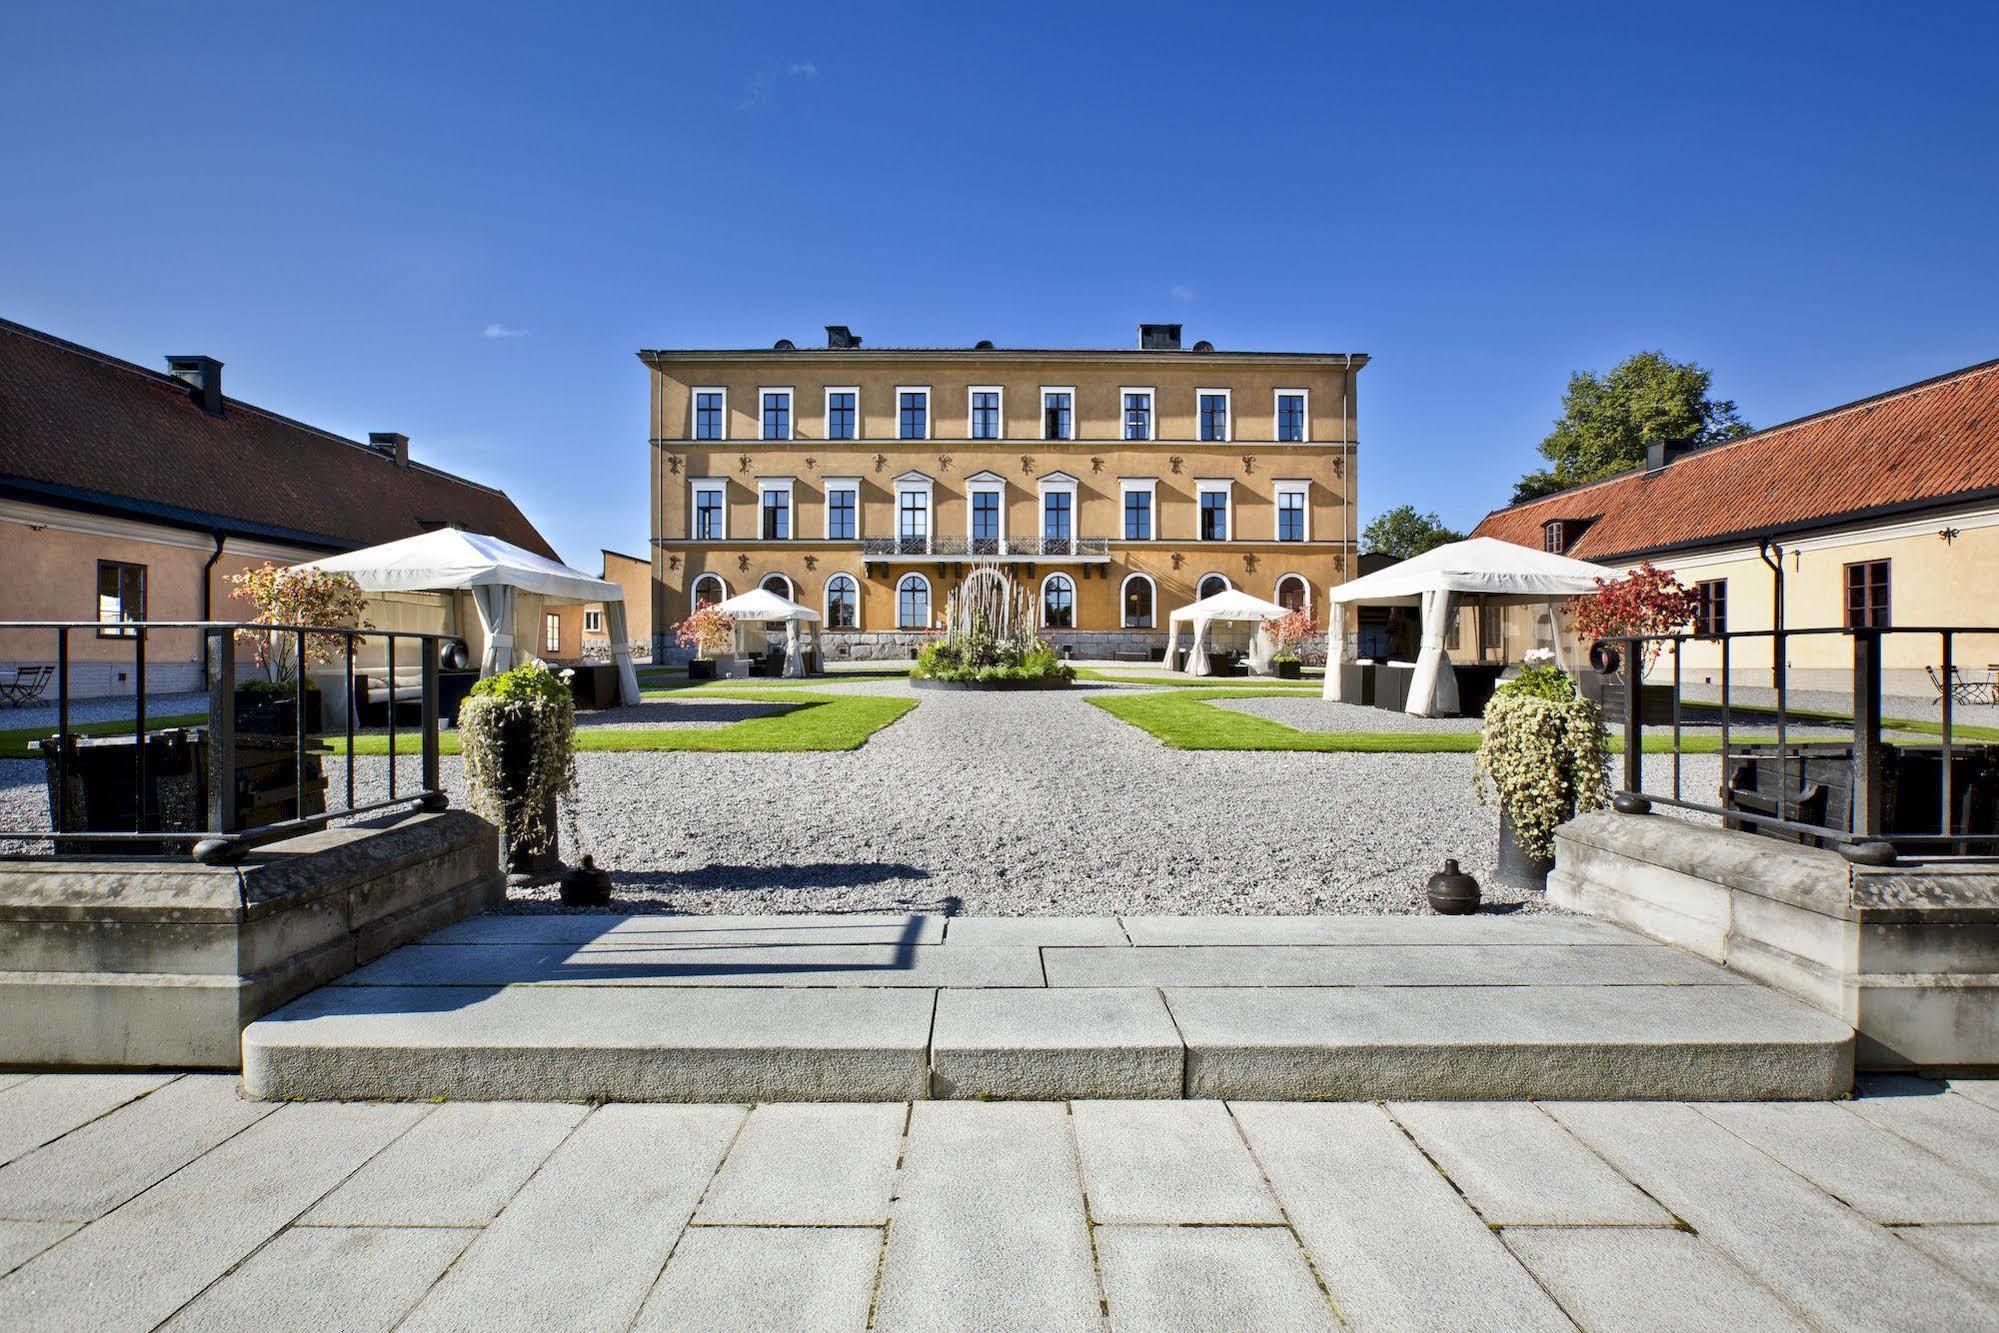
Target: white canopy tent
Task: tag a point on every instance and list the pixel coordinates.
(1438, 580)
(494, 572)
(1230, 606)
(760, 606)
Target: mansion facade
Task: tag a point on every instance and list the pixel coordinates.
(1115, 485)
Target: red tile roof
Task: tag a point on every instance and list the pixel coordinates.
(1915, 447)
(82, 429)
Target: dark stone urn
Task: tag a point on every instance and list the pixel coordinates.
(1517, 866)
(516, 746)
(1453, 892)
(588, 885)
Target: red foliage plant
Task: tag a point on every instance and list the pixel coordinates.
(1647, 600)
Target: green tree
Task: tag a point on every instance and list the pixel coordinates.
(1607, 420)
(1402, 532)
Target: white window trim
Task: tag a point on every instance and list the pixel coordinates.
(1276, 415)
(790, 412)
(838, 484)
(1278, 587)
(915, 482)
(826, 421)
(928, 593)
(1279, 490)
(970, 395)
(1151, 411)
(551, 633)
(694, 586)
(1227, 584)
(589, 615)
(695, 486)
(826, 598)
(767, 486)
(790, 588)
(983, 483)
(1228, 422)
(1126, 583)
(929, 412)
(1125, 486)
(1041, 601)
(1058, 483)
(1224, 487)
(693, 412)
(1075, 413)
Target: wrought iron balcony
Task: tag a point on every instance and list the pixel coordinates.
(1084, 549)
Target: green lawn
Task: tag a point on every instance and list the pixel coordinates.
(656, 682)
(809, 722)
(1261, 683)
(14, 744)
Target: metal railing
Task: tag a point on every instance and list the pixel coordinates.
(974, 548)
(1863, 834)
(222, 837)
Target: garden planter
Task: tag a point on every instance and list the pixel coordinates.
(1452, 892)
(525, 865)
(588, 885)
(1286, 670)
(701, 668)
(1517, 866)
(271, 713)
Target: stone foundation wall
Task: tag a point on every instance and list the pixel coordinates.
(902, 645)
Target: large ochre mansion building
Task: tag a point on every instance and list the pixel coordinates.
(1115, 485)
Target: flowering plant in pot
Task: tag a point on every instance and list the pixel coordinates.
(1288, 634)
(1647, 600)
(1544, 757)
(285, 595)
(705, 634)
(518, 733)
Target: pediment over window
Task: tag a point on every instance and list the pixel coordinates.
(1061, 477)
(915, 478)
(984, 478)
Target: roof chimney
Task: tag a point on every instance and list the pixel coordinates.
(1159, 337)
(203, 377)
(839, 335)
(391, 446)
(1658, 453)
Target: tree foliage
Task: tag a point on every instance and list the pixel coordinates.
(1402, 532)
(1607, 420)
(1647, 600)
(287, 595)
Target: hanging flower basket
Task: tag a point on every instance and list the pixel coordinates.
(1545, 757)
(518, 732)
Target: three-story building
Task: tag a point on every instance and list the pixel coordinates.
(1115, 485)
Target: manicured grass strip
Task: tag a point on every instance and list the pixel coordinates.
(814, 722)
(1198, 683)
(14, 744)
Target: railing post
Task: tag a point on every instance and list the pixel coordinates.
(219, 847)
(1634, 715)
(433, 798)
(1867, 793)
(139, 729)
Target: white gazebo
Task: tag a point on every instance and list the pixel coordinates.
(1439, 582)
(1230, 607)
(761, 608)
(496, 575)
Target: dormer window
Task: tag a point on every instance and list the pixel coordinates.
(1558, 535)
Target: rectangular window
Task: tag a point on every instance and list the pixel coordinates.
(985, 522)
(551, 633)
(1291, 515)
(1867, 595)
(593, 622)
(1138, 414)
(1711, 606)
(776, 414)
(985, 414)
(842, 514)
(842, 414)
(1214, 516)
(1138, 516)
(776, 511)
(1555, 537)
(121, 596)
(710, 519)
(1058, 414)
(1291, 417)
(1214, 414)
(711, 410)
(912, 414)
(1057, 516)
(912, 522)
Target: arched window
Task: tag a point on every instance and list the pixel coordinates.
(1293, 594)
(912, 602)
(843, 602)
(708, 590)
(1058, 602)
(778, 584)
(1211, 584)
(1137, 596)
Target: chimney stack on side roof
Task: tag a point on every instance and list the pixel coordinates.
(203, 377)
(839, 335)
(1658, 453)
(1159, 337)
(391, 446)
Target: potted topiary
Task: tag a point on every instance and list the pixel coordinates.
(518, 733)
(705, 633)
(290, 596)
(1288, 634)
(1545, 755)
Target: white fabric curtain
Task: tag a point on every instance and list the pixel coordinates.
(794, 660)
(1197, 653)
(621, 652)
(1433, 686)
(1261, 651)
(1336, 650)
(1172, 641)
(495, 604)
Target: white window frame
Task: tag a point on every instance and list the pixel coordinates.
(1151, 411)
(985, 483)
(1041, 600)
(1300, 488)
(767, 486)
(1228, 407)
(694, 409)
(915, 482)
(970, 395)
(593, 620)
(551, 632)
(833, 484)
(694, 587)
(1277, 398)
(929, 606)
(790, 593)
(790, 412)
(1059, 483)
(1227, 584)
(695, 487)
(1149, 581)
(826, 599)
(929, 413)
(1075, 413)
(1125, 486)
(1210, 486)
(826, 420)
(1277, 588)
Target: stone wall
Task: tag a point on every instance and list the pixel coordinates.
(902, 645)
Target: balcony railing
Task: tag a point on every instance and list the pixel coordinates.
(986, 548)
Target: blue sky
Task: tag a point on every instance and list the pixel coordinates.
(461, 222)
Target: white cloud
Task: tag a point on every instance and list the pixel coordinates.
(805, 67)
(502, 331)
(1181, 291)
(763, 83)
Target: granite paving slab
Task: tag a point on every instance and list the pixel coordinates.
(1265, 966)
(1956, 1128)
(326, 1278)
(1209, 1278)
(1035, 931)
(1054, 1045)
(1367, 930)
(1645, 1280)
(693, 932)
(37, 1110)
(800, 1165)
(639, 964)
(456, 1169)
(1972, 1252)
(1517, 1166)
(767, 1279)
(1169, 1162)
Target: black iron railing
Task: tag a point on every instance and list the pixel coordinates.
(1797, 806)
(221, 832)
(974, 547)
